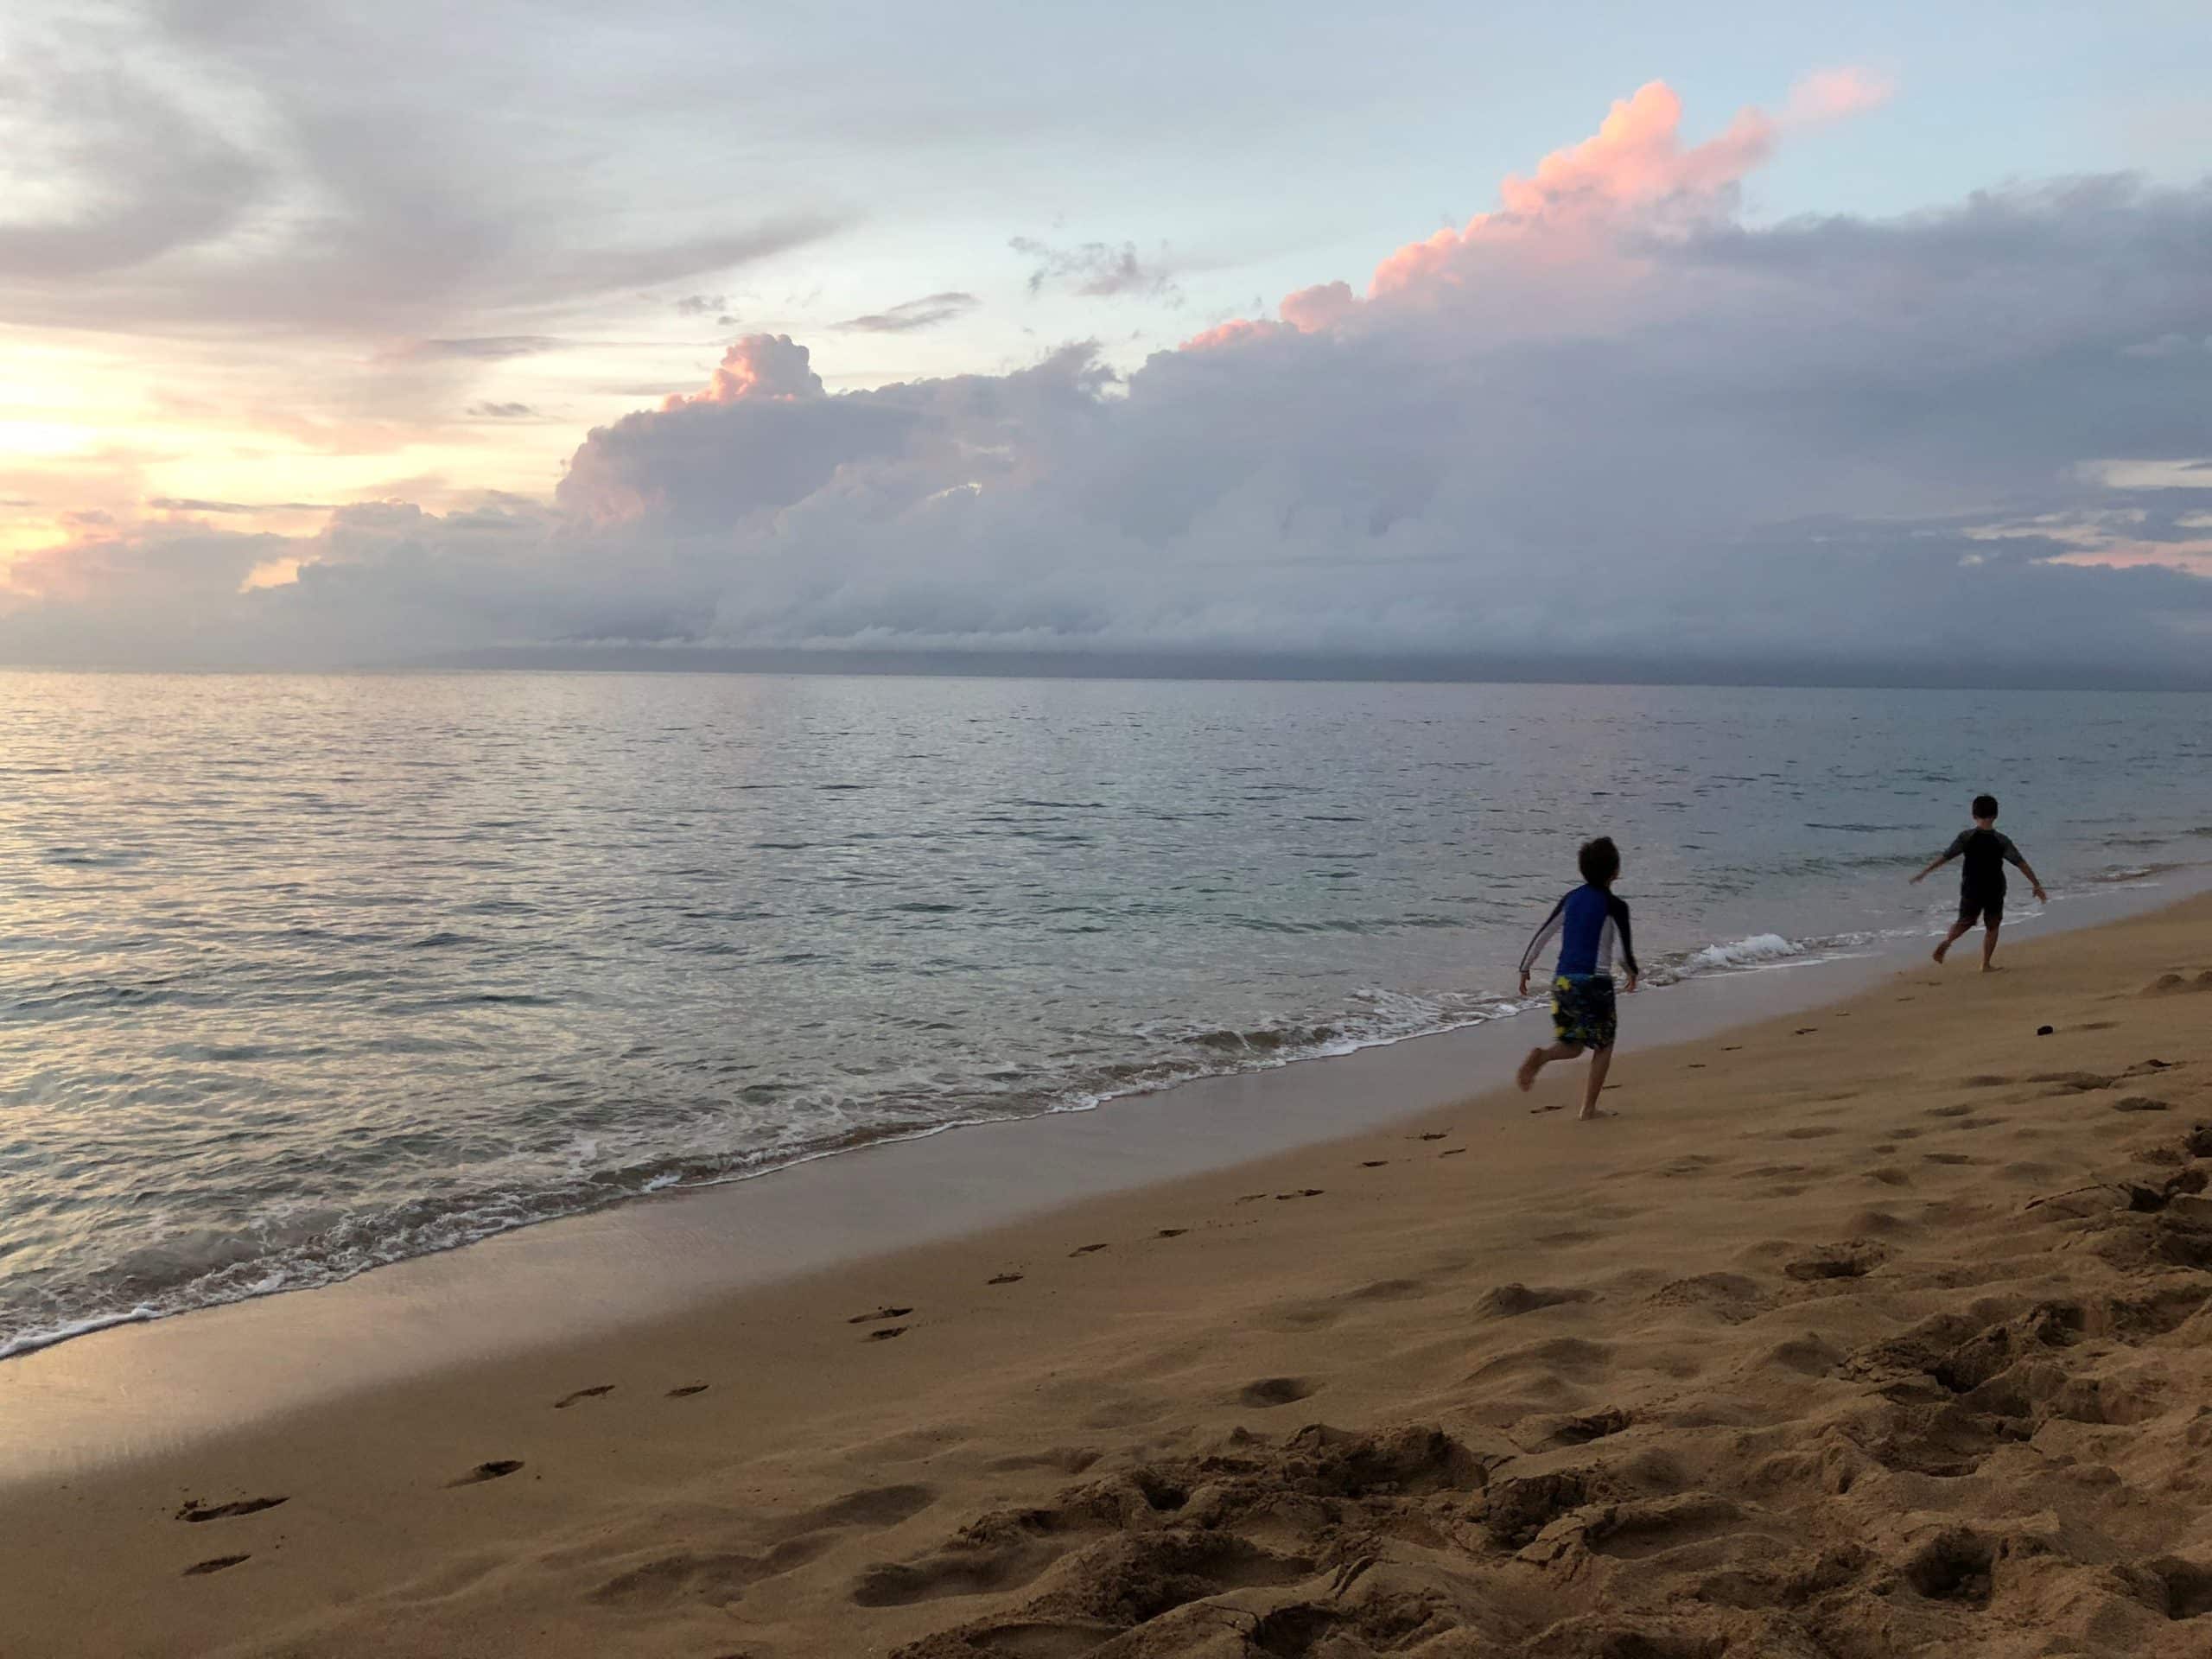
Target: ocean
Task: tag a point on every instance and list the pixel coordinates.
(299, 975)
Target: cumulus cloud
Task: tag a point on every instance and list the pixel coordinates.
(1608, 426)
(1095, 270)
(925, 312)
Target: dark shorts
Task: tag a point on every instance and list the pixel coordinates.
(1582, 1010)
(1987, 908)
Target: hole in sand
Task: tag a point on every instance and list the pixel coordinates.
(1954, 1566)
(2188, 1588)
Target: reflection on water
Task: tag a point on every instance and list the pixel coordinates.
(301, 974)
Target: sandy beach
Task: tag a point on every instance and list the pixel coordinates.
(1881, 1329)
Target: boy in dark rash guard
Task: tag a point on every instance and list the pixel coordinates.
(1587, 921)
(1981, 879)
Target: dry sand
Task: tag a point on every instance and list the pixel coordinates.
(1881, 1330)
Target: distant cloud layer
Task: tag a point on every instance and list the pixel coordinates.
(1608, 422)
(1094, 269)
(926, 313)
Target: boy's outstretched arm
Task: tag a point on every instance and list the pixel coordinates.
(1958, 845)
(2018, 861)
(1617, 910)
(1536, 944)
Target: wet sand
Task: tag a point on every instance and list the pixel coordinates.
(1881, 1329)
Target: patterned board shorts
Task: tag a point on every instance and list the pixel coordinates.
(1582, 1010)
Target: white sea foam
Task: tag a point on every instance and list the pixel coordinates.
(32, 1341)
(1754, 951)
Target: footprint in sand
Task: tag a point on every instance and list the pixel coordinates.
(201, 1569)
(498, 1469)
(1375, 1163)
(1439, 1135)
(1511, 1300)
(1004, 1278)
(1302, 1192)
(881, 1314)
(1270, 1391)
(1852, 1259)
(195, 1510)
(583, 1394)
(1451, 1151)
(1088, 1249)
(687, 1391)
(886, 1333)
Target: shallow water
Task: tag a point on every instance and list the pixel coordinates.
(302, 974)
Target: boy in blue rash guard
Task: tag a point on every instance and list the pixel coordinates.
(1587, 921)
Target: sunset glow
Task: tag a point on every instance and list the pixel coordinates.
(636, 385)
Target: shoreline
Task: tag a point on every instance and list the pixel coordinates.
(649, 1256)
(784, 1469)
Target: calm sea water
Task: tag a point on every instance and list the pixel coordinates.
(302, 974)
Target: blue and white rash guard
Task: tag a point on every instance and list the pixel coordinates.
(1587, 920)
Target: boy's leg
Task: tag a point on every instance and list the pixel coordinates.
(1958, 932)
(1537, 1058)
(1601, 1060)
(1988, 947)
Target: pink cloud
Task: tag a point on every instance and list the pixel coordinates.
(757, 368)
(1832, 94)
(1553, 249)
(1637, 155)
(1323, 306)
(1636, 159)
(1236, 332)
(2193, 557)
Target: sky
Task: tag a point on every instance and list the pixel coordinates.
(1627, 339)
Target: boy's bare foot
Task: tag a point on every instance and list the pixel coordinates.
(1590, 1112)
(1942, 950)
(1530, 1065)
(1992, 968)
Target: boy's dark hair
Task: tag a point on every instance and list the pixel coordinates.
(1599, 861)
(1985, 806)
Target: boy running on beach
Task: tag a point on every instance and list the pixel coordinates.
(1981, 879)
(1587, 921)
